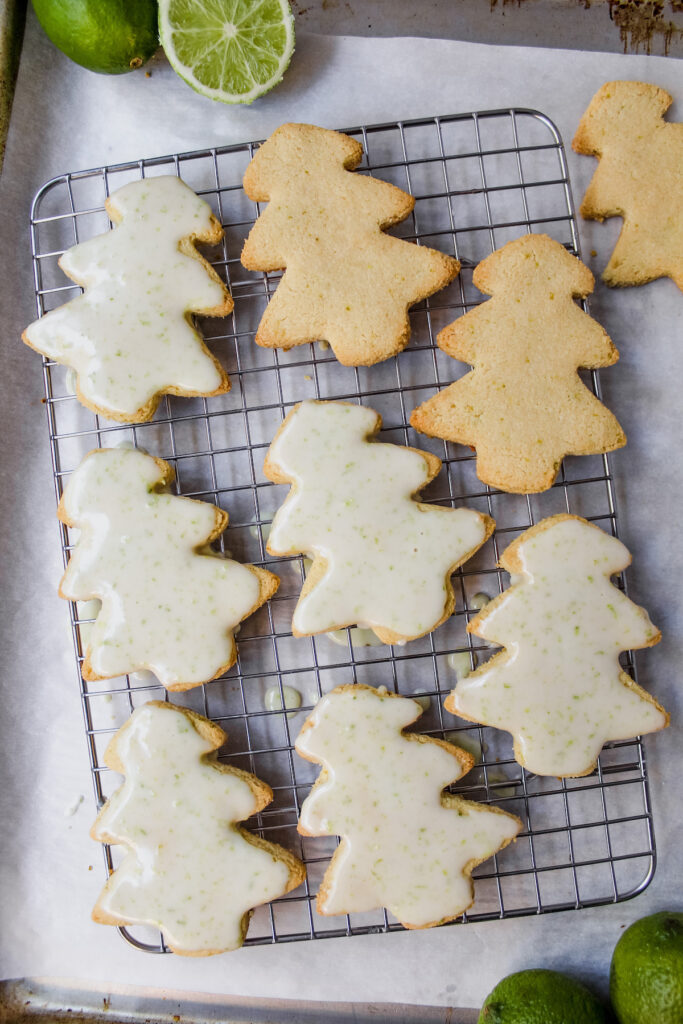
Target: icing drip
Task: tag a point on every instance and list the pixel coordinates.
(273, 699)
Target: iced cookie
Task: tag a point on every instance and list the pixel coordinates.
(169, 603)
(639, 178)
(558, 686)
(380, 559)
(523, 406)
(406, 845)
(189, 869)
(345, 282)
(130, 337)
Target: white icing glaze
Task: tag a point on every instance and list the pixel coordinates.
(164, 607)
(188, 869)
(468, 742)
(257, 531)
(143, 679)
(460, 662)
(86, 610)
(359, 637)
(558, 687)
(402, 848)
(420, 697)
(273, 699)
(128, 337)
(387, 557)
(477, 601)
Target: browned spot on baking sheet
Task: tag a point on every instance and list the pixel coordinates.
(639, 21)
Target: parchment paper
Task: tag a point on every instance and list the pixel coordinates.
(66, 118)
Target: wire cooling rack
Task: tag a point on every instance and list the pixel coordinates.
(479, 180)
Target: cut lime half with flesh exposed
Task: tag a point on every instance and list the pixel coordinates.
(229, 50)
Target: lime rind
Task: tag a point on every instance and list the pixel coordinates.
(107, 38)
(249, 59)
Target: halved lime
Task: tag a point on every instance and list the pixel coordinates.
(229, 50)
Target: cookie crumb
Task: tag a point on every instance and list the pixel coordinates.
(73, 806)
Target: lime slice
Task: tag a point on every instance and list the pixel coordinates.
(229, 50)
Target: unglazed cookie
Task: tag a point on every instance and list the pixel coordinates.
(558, 686)
(523, 406)
(129, 337)
(169, 603)
(380, 559)
(406, 845)
(346, 282)
(639, 178)
(189, 868)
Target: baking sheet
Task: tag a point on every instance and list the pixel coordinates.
(48, 887)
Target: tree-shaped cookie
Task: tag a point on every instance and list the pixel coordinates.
(380, 559)
(406, 845)
(129, 337)
(189, 868)
(169, 603)
(345, 281)
(523, 406)
(639, 178)
(558, 686)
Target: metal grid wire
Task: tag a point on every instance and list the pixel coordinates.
(479, 180)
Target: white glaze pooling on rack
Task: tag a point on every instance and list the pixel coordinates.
(558, 686)
(128, 337)
(289, 699)
(406, 846)
(188, 870)
(382, 559)
(461, 663)
(165, 607)
(356, 635)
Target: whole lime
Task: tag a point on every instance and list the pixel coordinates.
(541, 997)
(108, 36)
(646, 976)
